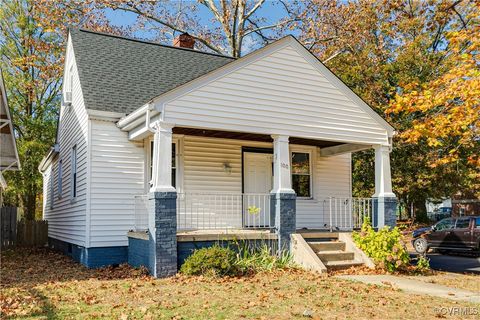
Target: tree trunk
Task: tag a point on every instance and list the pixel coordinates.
(30, 204)
(420, 211)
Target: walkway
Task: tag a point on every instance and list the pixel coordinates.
(417, 287)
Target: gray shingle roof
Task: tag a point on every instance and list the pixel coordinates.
(120, 74)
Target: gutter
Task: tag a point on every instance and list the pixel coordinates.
(54, 151)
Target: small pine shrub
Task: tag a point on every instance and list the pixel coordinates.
(384, 246)
(212, 261)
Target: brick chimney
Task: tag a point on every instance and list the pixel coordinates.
(184, 41)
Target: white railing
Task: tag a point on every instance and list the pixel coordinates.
(203, 211)
(346, 213)
(141, 213)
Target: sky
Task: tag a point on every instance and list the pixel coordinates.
(270, 10)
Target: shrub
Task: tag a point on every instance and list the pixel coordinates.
(384, 246)
(241, 258)
(213, 261)
(251, 258)
(423, 264)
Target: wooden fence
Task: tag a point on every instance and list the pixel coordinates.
(21, 233)
(8, 221)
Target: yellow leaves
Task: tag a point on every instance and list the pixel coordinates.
(446, 111)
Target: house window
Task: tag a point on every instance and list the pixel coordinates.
(60, 178)
(174, 163)
(301, 174)
(74, 171)
(51, 189)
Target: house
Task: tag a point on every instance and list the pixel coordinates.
(8, 152)
(173, 140)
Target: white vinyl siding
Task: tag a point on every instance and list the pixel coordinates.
(66, 219)
(281, 93)
(117, 175)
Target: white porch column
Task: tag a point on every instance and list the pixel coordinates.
(385, 200)
(383, 177)
(162, 158)
(282, 178)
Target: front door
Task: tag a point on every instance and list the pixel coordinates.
(257, 175)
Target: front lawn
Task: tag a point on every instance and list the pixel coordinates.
(43, 284)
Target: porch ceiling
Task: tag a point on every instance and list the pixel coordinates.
(250, 136)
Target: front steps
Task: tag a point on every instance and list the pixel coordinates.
(331, 251)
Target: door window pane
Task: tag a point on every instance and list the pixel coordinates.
(301, 175)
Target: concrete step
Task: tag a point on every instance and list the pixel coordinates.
(337, 255)
(319, 235)
(342, 264)
(327, 245)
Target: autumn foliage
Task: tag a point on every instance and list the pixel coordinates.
(447, 109)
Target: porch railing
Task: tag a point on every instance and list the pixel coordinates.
(346, 213)
(197, 211)
(140, 213)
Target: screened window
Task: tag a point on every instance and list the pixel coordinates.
(74, 171)
(60, 178)
(174, 163)
(301, 174)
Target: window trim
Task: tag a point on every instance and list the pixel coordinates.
(310, 153)
(74, 172)
(60, 180)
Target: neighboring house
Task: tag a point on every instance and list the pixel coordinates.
(8, 150)
(166, 138)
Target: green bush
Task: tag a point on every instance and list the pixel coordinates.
(238, 259)
(212, 261)
(423, 264)
(384, 246)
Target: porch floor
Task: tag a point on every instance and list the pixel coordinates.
(224, 234)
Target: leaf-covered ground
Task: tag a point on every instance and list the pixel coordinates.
(43, 284)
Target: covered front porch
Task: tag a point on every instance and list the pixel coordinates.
(206, 184)
(226, 180)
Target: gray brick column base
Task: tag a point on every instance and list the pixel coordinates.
(165, 233)
(387, 205)
(284, 216)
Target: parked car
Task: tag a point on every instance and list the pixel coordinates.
(450, 234)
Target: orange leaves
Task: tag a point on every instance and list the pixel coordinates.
(446, 111)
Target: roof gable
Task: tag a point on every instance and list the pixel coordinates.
(120, 74)
(316, 72)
